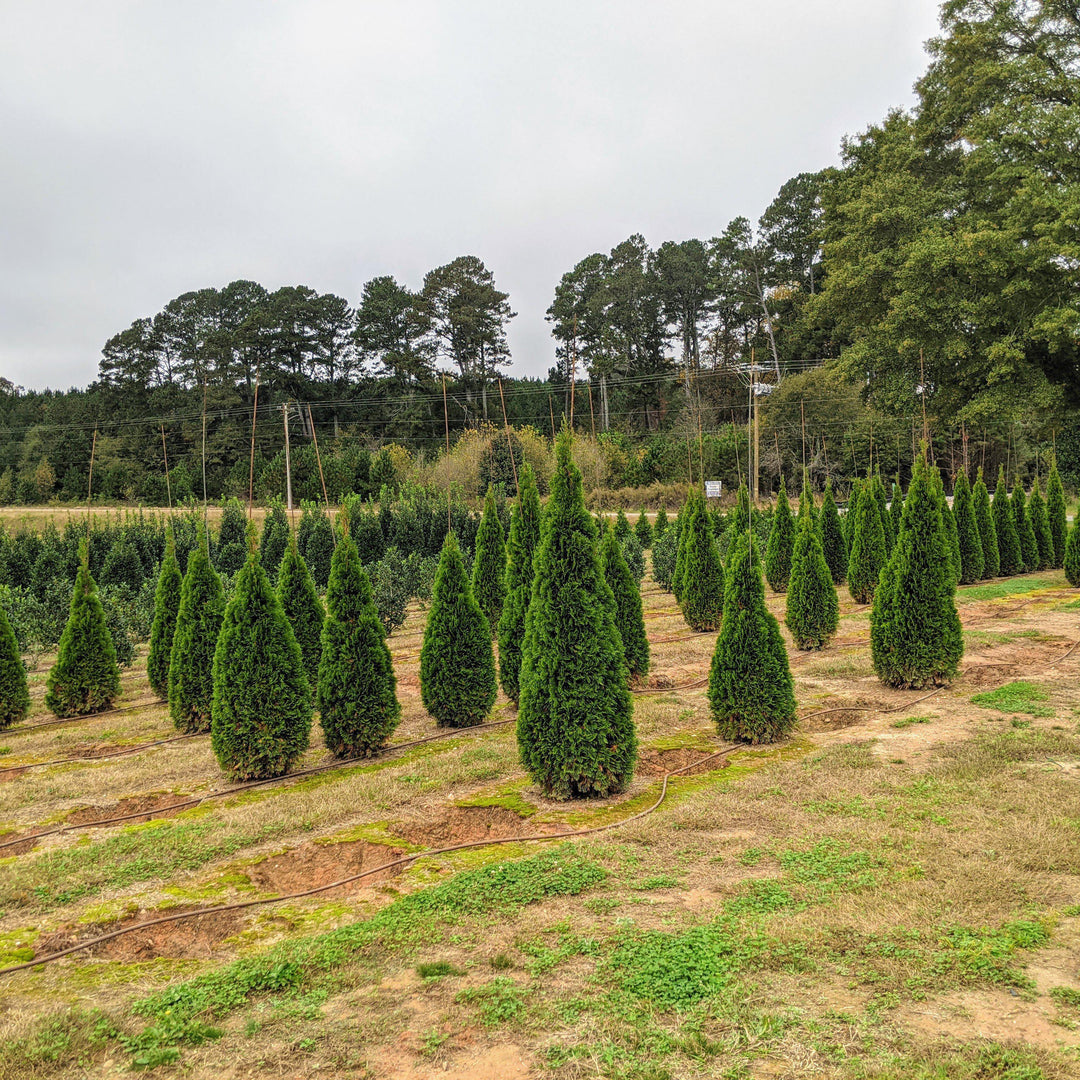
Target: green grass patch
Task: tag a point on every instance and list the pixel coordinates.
(911, 721)
(438, 969)
(501, 1000)
(1015, 697)
(1068, 605)
(1015, 586)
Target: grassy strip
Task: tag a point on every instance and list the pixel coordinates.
(1007, 587)
(1015, 697)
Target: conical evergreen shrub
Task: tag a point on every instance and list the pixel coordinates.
(457, 664)
(262, 700)
(848, 520)
(702, 600)
(628, 615)
(1040, 526)
(622, 526)
(984, 520)
(806, 505)
(813, 609)
(1029, 546)
(832, 537)
(232, 538)
(1056, 514)
(867, 555)
(1009, 555)
(751, 693)
(665, 553)
(896, 509)
(971, 554)
(315, 542)
(635, 558)
(643, 530)
(781, 544)
(659, 525)
(524, 538)
(302, 607)
(878, 488)
(166, 608)
(275, 537)
(681, 533)
(85, 678)
(915, 635)
(357, 690)
(575, 726)
(198, 622)
(489, 566)
(14, 693)
(1071, 561)
(952, 534)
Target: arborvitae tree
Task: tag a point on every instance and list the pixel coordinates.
(315, 542)
(849, 518)
(984, 519)
(1071, 561)
(659, 525)
(751, 692)
(275, 537)
(1040, 526)
(867, 546)
(634, 556)
(575, 727)
(896, 509)
(85, 678)
(878, 489)
(198, 621)
(524, 538)
(262, 700)
(14, 693)
(832, 537)
(971, 553)
(1056, 515)
(489, 567)
(643, 530)
(232, 539)
(122, 565)
(813, 610)
(302, 607)
(166, 609)
(781, 544)
(915, 634)
(952, 533)
(1010, 559)
(806, 504)
(681, 531)
(622, 526)
(1029, 546)
(629, 620)
(702, 599)
(665, 552)
(357, 690)
(457, 664)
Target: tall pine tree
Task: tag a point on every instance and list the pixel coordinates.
(1040, 526)
(629, 620)
(971, 554)
(1056, 514)
(302, 607)
(166, 609)
(489, 568)
(524, 538)
(832, 537)
(702, 600)
(781, 544)
(813, 610)
(984, 520)
(1010, 559)
(14, 693)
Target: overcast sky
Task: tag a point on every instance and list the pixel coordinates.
(150, 148)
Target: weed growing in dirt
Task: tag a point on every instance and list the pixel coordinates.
(910, 721)
(1015, 697)
(499, 1001)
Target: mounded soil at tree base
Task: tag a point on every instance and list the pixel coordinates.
(464, 824)
(693, 762)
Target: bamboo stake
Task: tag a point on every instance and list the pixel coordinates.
(509, 444)
(318, 460)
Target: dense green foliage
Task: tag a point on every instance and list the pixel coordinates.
(867, 548)
(166, 608)
(1040, 526)
(952, 533)
(575, 728)
(702, 599)
(1029, 546)
(629, 620)
(680, 559)
(832, 537)
(275, 537)
(302, 607)
(1010, 559)
(315, 541)
(457, 663)
(781, 544)
(813, 608)
(660, 524)
(1071, 561)
(643, 530)
(261, 700)
(665, 554)
(896, 509)
(14, 694)
(622, 526)
(1056, 514)
(489, 568)
(634, 555)
(984, 521)
(357, 689)
(878, 489)
(232, 537)
(971, 553)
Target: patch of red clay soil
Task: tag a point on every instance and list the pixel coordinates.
(694, 762)
(1007, 662)
(146, 806)
(503, 1062)
(463, 824)
(20, 843)
(310, 866)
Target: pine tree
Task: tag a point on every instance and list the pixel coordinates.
(1029, 546)
(357, 690)
(629, 620)
(14, 693)
(622, 526)
(751, 693)
(261, 701)
(302, 607)
(832, 537)
(643, 530)
(896, 509)
(1056, 514)
(915, 634)
(575, 727)
(659, 525)
(489, 567)
(878, 488)
(524, 537)
(984, 520)
(702, 599)
(85, 678)
(867, 546)
(198, 622)
(781, 544)
(232, 538)
(1010, 560)
(813, 609)
(275, 537)
(166, 609)
(971, 554)
(1071, 561)
(1040, 525)
(457, 664)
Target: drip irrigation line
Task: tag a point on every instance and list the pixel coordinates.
(124, 752)
(21, 729)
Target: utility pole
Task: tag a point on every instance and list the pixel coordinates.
(756, 453)
(288, 466)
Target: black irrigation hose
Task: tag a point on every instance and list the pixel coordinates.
(124, 752)
(22, 729)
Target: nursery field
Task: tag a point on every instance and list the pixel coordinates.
(893, 892)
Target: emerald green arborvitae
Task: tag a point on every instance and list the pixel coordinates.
(14, 694)
(232, 539)
(849, 518)
(457, 664)
(302, 607)
(1040, 526)
(781, 544)
(867, 546)
(643, 530)
(489, 567)
(813, 610)
(524, 538)
(629, 620)
(806, 504)
(1056, 514)
(1010, 560)
(275, 537)
(751, 693)
(1029, 546)
(680, 558)
(702, 599)
(166, 609)
(198, 621)
(832, 537)
(896, 509)
(878, 487)
(915, 635)
(660, 524)
(315, 541)
(665, 553)
(575, 726)
(262, 700)
(984, 520)
(85, 678)
(971, 553)
(1071, 561)
(952, 533)
(357, 691)
(622, 526)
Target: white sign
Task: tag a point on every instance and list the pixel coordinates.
(712, 489)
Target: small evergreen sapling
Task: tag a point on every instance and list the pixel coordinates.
(524, 538)
(489, 568)
(665, 552)
(232, 538)
(1040, 526)
(984, 521)
(751, 693)
(681, 533)
(813, 609)
(1056, 514)
(1029, 546)
(867, 546)
(702, 600)
(781, 544)
(457, 664)
(262, 701)
(971, 554)
(832, 537)
(302, 607)
(1071, 561)
(315, 542)
(1010, 559)
(634, 556)
(659, 525)
(629, 620)
(166, 608)
(14, 693)
(275, 537)
(643, 530)
(622, 526)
